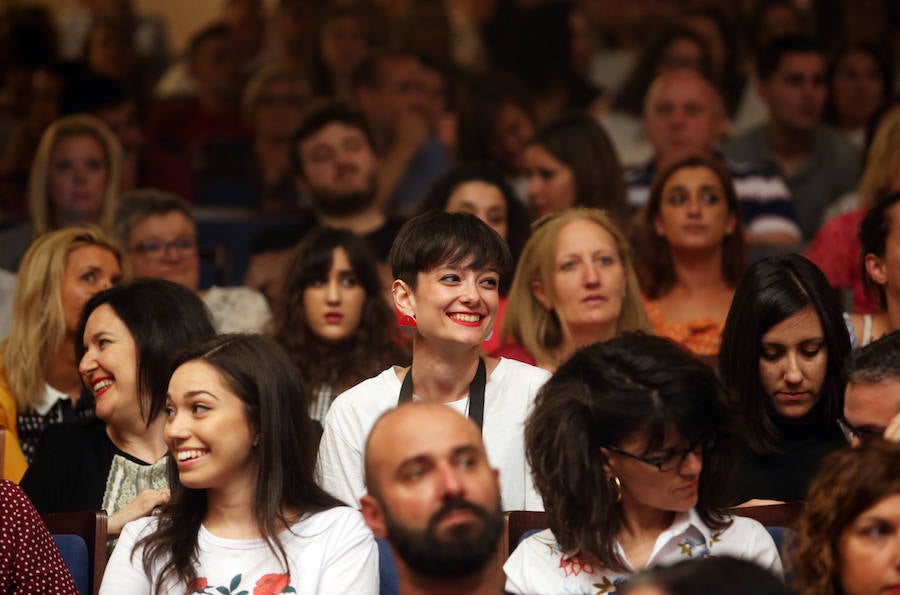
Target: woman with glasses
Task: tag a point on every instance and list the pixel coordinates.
(629, 445)
(157, 231)
(784, 343)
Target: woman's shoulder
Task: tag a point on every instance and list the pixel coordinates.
(514, 371)
(343, 519)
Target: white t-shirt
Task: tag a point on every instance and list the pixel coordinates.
(539, 565)
(238, 309)
(329, 552)
(508, 399)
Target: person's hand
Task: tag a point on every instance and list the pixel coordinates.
(892, 431)
(141, 506)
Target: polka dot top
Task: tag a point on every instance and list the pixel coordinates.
(29, 560)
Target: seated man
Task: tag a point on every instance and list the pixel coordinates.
(817, 163)
(872, 397)
(434, 496)
(683, 113)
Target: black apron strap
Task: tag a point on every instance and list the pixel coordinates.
(476, 392)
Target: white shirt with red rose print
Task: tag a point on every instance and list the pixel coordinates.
(328, 552)
(538, 564)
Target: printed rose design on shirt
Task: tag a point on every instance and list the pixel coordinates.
(268, 584)
(271, 584)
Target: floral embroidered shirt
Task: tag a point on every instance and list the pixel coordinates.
(539, 565)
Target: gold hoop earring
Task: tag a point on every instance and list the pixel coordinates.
(617, 485)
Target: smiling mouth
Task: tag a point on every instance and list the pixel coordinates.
(189, 454)
(466, 318)
(101, 385)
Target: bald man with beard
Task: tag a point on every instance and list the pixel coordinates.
(432, 494)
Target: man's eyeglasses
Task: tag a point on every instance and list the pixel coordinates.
(158, 248)
(862, 433)
(675, 458)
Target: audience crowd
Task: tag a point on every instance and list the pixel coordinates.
(316, 304)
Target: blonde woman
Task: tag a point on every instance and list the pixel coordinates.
(39, 382)
(575, 285)
(74, 180)
(880, 177)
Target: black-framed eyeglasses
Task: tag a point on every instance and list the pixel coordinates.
(673, 460)
(157, 248)
(862, 433)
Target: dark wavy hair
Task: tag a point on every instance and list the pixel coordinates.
(582, 144)
(772, 290)
(850, 482)
(373, 344)
(162, 317)
(607, 393)
(874, 230)
(654, 259)
(714, 574)
(261, 375)
(518, 224)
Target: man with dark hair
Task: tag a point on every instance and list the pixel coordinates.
(391, 89)
(336, 170)
(817, 163)
(872, 397)
(435, 498)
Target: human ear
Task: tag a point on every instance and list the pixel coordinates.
(404, 299)
(658, 226)
(537, 290)
(730, 224)
(876, 269)
(373, 515)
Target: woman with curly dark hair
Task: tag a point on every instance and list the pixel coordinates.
(629, 446)
(691, 252)
(848, 536)
(334, 321)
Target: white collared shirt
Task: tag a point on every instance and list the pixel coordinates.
(50, 397)
(539, 565)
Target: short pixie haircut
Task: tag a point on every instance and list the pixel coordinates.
(850, 482)
(162, 317)
(632, 385)
(437, 238)
(773, 290)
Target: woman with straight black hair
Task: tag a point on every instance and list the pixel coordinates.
(334, 322)
(630, 447)
(784, 343)
(127, 337)
(245, 512)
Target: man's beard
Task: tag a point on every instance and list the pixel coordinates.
(466, 548)
(335, 204)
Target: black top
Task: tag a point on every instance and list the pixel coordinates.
(70, 468)
(784, 476)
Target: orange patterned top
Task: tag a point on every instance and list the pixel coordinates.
(703, 336)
